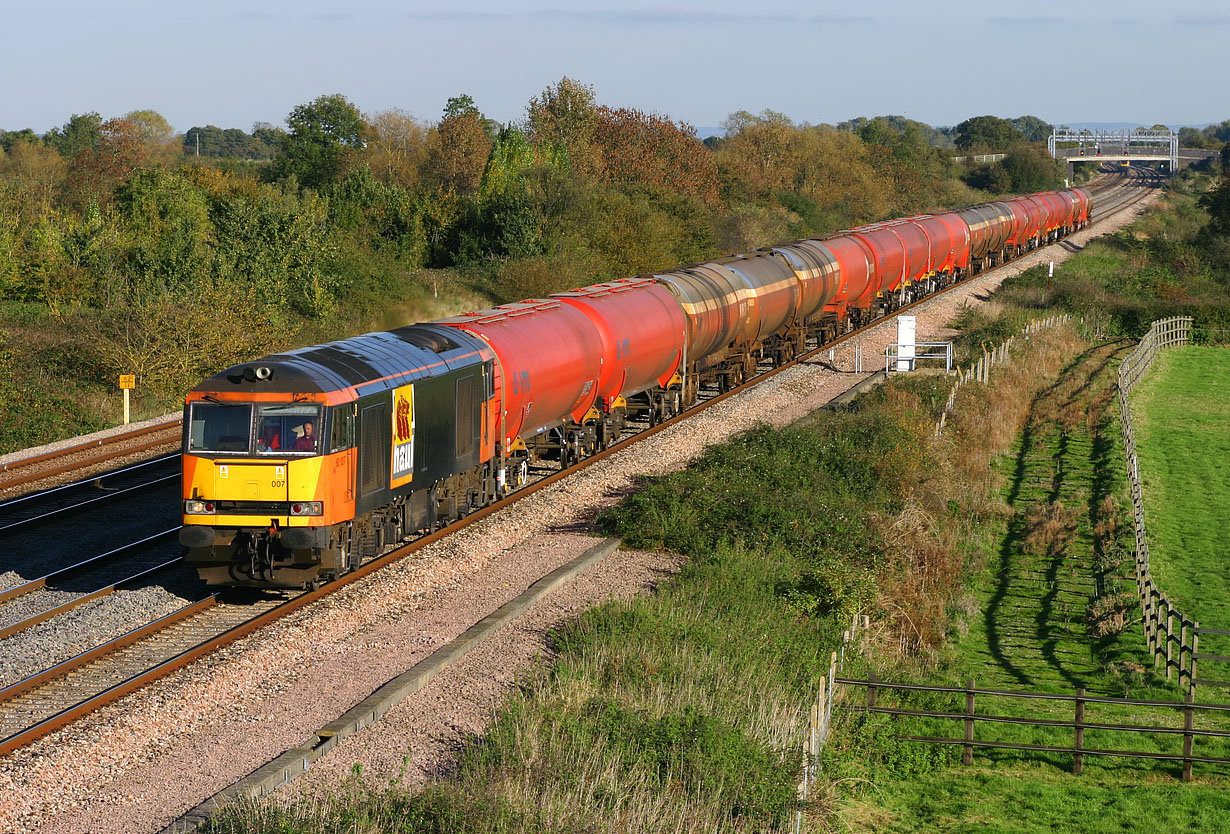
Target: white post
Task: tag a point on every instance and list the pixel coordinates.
(906, 347)
(126, 403)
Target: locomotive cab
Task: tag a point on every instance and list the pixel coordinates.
(298, 467)
(264, 483)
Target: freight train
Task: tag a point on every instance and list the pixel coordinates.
(300, 465)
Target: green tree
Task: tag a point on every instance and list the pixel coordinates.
(987, 133)
(81, 131)
(272, 137)
(9, 138)
(323, 136)
(565, 114)
(1217, 204)
(232, 143)
(168, 217)
(1033, 128)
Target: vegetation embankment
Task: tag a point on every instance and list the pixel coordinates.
(127, 248)
(1173, 261)
(1055, 608)
(686, 710)
(1181, 413)
(650, 702)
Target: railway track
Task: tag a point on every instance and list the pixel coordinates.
(60, 502)
(26, 605)
(30, 470)
(54, 697)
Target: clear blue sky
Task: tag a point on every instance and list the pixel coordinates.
(235, 62)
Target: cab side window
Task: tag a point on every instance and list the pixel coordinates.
(341, 435)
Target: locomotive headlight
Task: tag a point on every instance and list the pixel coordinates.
(307, 508)
(195, 507)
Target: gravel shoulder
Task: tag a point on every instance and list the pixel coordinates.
(141, 762)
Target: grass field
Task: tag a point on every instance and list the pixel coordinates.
(1054, 610)
(1181, 412)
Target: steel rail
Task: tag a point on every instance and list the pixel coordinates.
(106, 496)
(84, 565)
(77, 602)
(34, 496)
(306, 598)
(22, 463)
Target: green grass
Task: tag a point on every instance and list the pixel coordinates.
(683, 710)
(1036, 800)
(1053, 611)
(1181, 413)
(1063, 485)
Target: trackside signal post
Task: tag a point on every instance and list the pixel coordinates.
(127, 383)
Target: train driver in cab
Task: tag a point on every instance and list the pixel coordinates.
(307, 440)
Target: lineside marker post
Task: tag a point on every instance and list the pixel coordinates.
(127, 383)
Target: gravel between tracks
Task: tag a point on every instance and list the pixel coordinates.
(138, 764)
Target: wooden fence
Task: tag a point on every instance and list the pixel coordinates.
(1173, 638)
(980, 371)
(969, 716)
(821, 717)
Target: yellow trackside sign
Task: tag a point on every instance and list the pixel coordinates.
(402, 470)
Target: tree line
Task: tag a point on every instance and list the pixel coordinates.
(124, 251)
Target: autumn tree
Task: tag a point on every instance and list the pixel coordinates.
(827, 177)
(395, 148)
(324, 135)
(646, 148)
(35, 171)
(458, 147)
(157, 134)
(95, 172)
(564, 114)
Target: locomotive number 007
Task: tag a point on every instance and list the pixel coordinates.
(276, 484)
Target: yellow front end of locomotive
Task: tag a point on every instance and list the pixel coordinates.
(228, 492)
